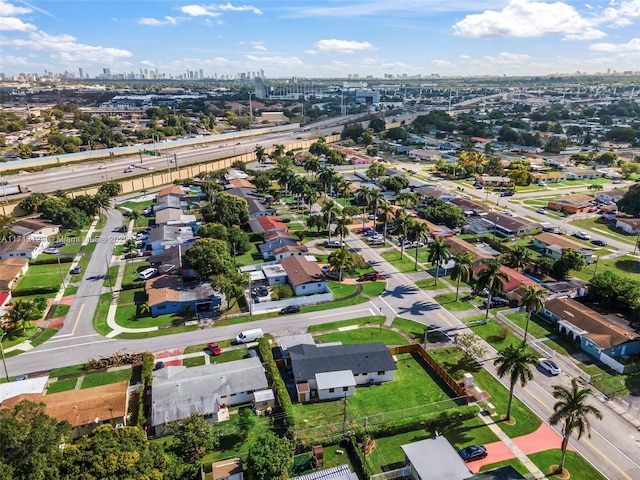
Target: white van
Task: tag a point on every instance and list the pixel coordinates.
(249, 335)
(147, 273)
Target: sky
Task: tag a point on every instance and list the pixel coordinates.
(321, 38)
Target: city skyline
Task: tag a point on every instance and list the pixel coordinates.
(321, 39)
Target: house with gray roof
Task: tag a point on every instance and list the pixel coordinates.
(167, 236)
(435, 458)
(208, 390)
(333, 371)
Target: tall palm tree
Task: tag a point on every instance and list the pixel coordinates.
(519, 257)
(407, 199)
(438, 254)
(329, 209)
(339, 261)
(285, 175)
(326, 176)
(309, 195)
(312, 164)
(129, 246)
(343, 187)
(279, 149)
(533, 298)
(493, 279)
(461, 271)
(418, 233)
(386, 215)
(101, 201)
(572, 409)
(135, 216)
(515, 362)
(375, 197)
(341, 227)
(402, 222)
(260, 154)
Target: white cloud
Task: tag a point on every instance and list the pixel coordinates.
(148, 63)
(154, 22)
(632, 46)
(525, 18)
(441, 63)
(310, 52)
(621, 14)
(259, 46)
(8, 10)
(15, 24)
(342, 46)
(240, 8)
(18, 61)
(199, 11)
(276, 61)
(505, 58)
(387, 8)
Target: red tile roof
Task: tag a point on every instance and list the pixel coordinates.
(269, 222)
(516, 279)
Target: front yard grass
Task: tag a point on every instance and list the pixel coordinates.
(448, 301)
(341, 290)
(430, 284)
(64, 371)
(574, 463)
(375, 320)
(624, 266)
(194, 361)
(403, 264)
(19, 337)
(62, 385)
(514, 462)
(364, 335)
(100, 315)
(347, 302)
(538, 328)
(374, 289)
(497, 335)
(45, 277)
(454, 361)
(105, 378)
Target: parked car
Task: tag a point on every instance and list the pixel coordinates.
(368, 277)
(542, 210)
(147, 253)
(582, 235)
(20, 378)
(131, 255)
(365, 229)
(75, 270)
(51, 251)
(472, 452)
(334, 276)
(498, 302)
(159, 366)
(478, 186)
(334, 244)
(506, 211)
(377, 241)
(599, 243)
(290, 309)
(549, 366)
(214, 348)
(369, 233)
(507, 193)
(58, 244)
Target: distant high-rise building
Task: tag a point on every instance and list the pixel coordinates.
(201, 74)
(80, 73)
(261, 73)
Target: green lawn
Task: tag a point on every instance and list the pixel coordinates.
(412, 384)
(62, 385)
(454, 361)
(364, 335)
(64, 371)
(377, 320)
(498, 335)
(341, 290)
(100, 315)
(411, 327)
(194, 361)
(43, 337)
(105, 378)
(374, 289)
(337, 304)
(47, 277)
(448, 301)
(624, 266)
(157, 333)
(514, 462)
(430, 284)
(538, 328)
(606, 228)
(574, 463)
(403, 264)
(61, 309)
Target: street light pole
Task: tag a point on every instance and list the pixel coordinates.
(60, 269)
(4, 361)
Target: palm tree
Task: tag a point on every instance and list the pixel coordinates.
(533, 299)
(407, 199)
(312, 164)
(402, 222)
(438, 254)
(572, 409)
(129, 246)
(418, 233)
(279, 149)
(519, 257)
(260, 154)
(340, 260)
(595, 187)
(386, 214)
(135, 216)
(343, 188)
(341, 227)
(309, 195)
(515, 362)
(461, 271)
(493, 279)
(285, 175)
(326, 176)
(101, 201)
(329, 207)
(375, 196)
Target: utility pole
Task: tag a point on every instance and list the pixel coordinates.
(108, 276)
(4, 361)
(344, 416)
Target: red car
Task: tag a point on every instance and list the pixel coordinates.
(214, 348)
(368, 277)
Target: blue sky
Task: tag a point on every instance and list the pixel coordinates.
(323, 38)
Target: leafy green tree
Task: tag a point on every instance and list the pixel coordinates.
(208, 256)
(516, 363)
(226, 209)
(339, 261)
(213, 230)
(376, 170)
(352, 131)
(573, 411)
(570, 259)
(32, 203)
(397, 133)
(438, 254)
(533, 299)
(518, 258)
(461, 271)
(85, 203)
(630, 203)
(494, 166)
(110, 189)
(441, 213)
(248, 421)
(24, 151)
(231, 285)
(31, 441)
(239, 242)
(316, 221)
(377, 125)
(269, 458)
(493, 279)
(395, 183)
(195, 438)
(20, 315)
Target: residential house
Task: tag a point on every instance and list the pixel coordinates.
(5, 300)
(11, 270)
(494, 181)
(227, 470)
(509, 226)
(29, 226)
(581, 174)
(511, 287)
(425, 155)
(304, 275)
(469, 207)
(24, 247)
(274, 274)
(287, 341)
(629, 225)
(233, 174)
(267, 224)
(174, 216)
(571, 203)
(551, 245)
(84, 409)
(208, 390)
(434, 459)
(571, 287)
(167, 236)
(436, 192)
(35, 385)
(173, 190)
(332, 371)
(169, 201)
(167, 261)
(596, 334)
(341, 472)
(612, 196)
(258, 208)
(241, 183)
(458, 245)
(548, 177)
(170, 294)
(609, 211)
(276, 240)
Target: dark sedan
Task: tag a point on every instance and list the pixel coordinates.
(290, 309)
(473, 452)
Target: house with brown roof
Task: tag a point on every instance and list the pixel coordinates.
(612, 196)
(469, 207)
(494, 181)
(269, 223)
(11, 270)
(28, 226)
(629, 225)
(84, 409)
(603, 337)
(515, 280)
(571, 203)
(304, 275)
(548, 177)
(170, 294)
(174, 190)
(227, 469)
(582, 174)
(509, 226)
(23, 247)
(458, 245)
(551, 245)
(241, 183)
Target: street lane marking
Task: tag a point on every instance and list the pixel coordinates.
(73, 331)
(388, 306)
(446, 320)
(66, 347)
(622, 472)
(342, 313)
(69, 335)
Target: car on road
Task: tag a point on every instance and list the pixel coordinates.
(214, 348)
(51, 251)
(76, 270)
(542, 211)
(472, 452)
(478, 186)
(549, 365)
(128, 170)
(372, 217)
(506, 211)
(498, 302)
(58, 244)
(507, 193)
(368, 277)
(599, 243)
(20, 378)
(290, 309)
(582, 235)
(334, 244)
